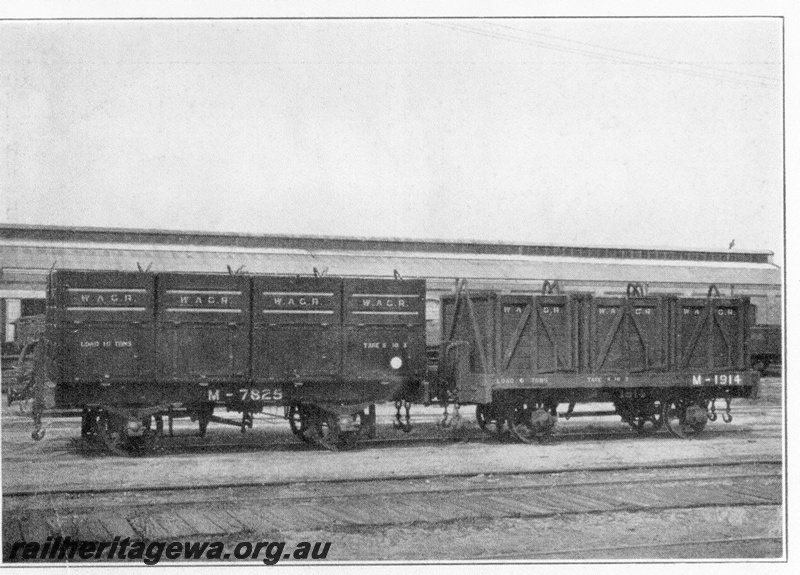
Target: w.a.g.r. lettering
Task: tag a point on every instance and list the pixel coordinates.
(399, 304)
(104, 298)
(383, 302)
(202, 300)
(285, 302)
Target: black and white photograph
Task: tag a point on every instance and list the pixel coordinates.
(414, 286)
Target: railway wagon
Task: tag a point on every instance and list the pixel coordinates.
(660, 360)
(17, 369)
(766, 348)
(130, 349)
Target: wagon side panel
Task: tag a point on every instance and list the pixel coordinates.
(628, 335)
(297, 331)
(384, 322)
(102, 332)
(203, 328)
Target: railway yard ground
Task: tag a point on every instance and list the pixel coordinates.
(597, 491)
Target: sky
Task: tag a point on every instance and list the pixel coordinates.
(625, 132)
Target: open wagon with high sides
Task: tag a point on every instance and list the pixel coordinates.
(661, 360)
(132, 350)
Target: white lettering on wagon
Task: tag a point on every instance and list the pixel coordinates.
(210, 300)
(718, 379)
(521, 380)
(514, 309)
(384, 345)
(107, 343)
(384, 304)
(388, 302)
(279, 301)
(106, 298)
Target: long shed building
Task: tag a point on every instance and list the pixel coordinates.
(27, 253)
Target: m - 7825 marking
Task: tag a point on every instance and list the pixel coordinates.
(248, 394)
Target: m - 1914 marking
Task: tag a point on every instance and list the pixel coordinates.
(723, 379)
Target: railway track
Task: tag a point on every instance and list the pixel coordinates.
(347, 510)
(10, 495)
(676, 550)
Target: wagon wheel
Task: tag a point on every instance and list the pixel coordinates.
(323, 430)
(91, 424)
(684, 417)
(139, 445)
(113, 433)
(761, 366)
(624, 409)
(204, 413)
(518, 427)
(643, 416)
(532, 423)
(349, 439)
(488, 418)
(297, 421)
(150, 440)
(648, 421)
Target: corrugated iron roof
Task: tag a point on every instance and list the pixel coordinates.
(421, 265)
(53, 234)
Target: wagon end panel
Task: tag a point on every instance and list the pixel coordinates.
(384, 323)
(765, 346)
(202, 328)
(101, 331)
(468, 322)
(628, 335)
(297, 331)
(470, 327)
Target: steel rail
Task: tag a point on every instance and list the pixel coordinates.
(572, 551)
(405, 477)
